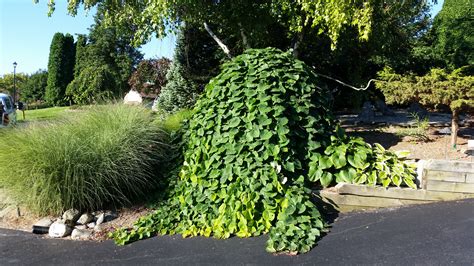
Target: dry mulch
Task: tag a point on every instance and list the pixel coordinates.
(436, 147)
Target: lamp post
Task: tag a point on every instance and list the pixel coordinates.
(14, 82)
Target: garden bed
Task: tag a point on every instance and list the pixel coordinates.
(367, 197)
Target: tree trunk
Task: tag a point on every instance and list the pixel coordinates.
(296, 43)
(454, 127)
(245, 42)
(218, 41)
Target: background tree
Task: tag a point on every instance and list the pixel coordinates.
(179, 92)
(105, 63)
(198, 55)
(35, 87)
(81, 53)
(6, 83)
(60, 68)
(196, 60)
(150, 76)
(395, 29)
(453, 30)
(436, 88)
(94, 84)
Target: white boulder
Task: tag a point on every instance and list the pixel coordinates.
(80, 234)
(71, 215)
(133, 98)
(85, 218)
(59, 229)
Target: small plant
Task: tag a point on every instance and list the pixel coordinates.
(418, 131)
(173, 122)
(352, 160)
(105, 154)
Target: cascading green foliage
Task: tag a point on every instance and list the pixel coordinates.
(247, 155)
(251, 147)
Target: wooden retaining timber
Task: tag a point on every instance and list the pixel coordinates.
(440, 181)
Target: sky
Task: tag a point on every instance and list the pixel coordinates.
(26, 33)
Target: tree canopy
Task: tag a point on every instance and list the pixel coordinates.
(105, 59)
(160, 17)
(150, 76)
(6, 82)
(35, 86)
(453, 30)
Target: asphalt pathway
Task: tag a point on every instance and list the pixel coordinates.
(433, 234)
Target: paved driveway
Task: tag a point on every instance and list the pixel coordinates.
(435, 234)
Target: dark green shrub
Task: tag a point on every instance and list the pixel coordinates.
(106, 155)
(35, 87)
(94, 84)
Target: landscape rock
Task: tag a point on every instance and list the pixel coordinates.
(383, 108)
(59, 229)
(71, 215)
(444, 131)
(44, 222)
(110, 215)
(85, 218)
(99, 228)
(133, 98)
(81, 227)
(80, 234)
(417, 109)
(42, 226)
(91, 225)
(367, 115)
(100, 218)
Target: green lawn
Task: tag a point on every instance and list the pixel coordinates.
(42, 114)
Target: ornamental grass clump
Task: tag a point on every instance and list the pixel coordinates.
(106, 154)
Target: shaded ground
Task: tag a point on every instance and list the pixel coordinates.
(385, 130)
(402, 117)
(434, 234)
(437, 147)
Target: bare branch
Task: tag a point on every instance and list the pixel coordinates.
(219, 42)
(345, 84)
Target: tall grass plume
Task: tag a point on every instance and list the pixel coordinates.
(106, 154)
